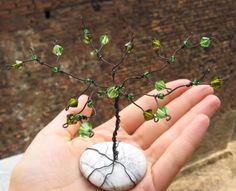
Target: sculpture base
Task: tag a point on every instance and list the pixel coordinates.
(98, 166)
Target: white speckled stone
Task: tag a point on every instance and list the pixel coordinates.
(124, 174)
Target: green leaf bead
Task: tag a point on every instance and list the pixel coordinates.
(87, 40)
(104, 39)
(128, 48)
(148, 115)
(79, 117)
(146, 74)
(90, 103)
(161, 112)
(161, 96)
(86, 31)
(130, 96)
(88, 81)
(57, 50)
(186, 44)
(71, 119)
(73, 102)
(160, 85)
(172, 58)
(216, 83)
(34, 57)
(85, 129)
(101, 93)
(18, 65)
(205, 42)
(87, 36)
(113, 92)
(156, 44)
(195, 82)
(56, 69)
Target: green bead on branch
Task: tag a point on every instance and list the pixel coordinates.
(160, 85)
(186, 44)
(87, 36)
(128, 47)
(104, 39)
(205, 42)
(148, 115)
(86, 130)
(18, 65)
(216, 83)
(113, 92)
(57, 50)
(161, 113)
(156, 44)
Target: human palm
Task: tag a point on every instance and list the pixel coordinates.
(51, 162)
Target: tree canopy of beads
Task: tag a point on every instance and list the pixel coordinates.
(119, 90)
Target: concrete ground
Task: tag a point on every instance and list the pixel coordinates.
(215, 173)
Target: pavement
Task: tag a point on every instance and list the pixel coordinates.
(214, 173)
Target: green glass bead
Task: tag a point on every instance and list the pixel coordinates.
(205, 42)
(34, 57)
(86, 31)
(161, 96)
(121, 88)
(129, 46)
(216, 83)
(78, 117)
(161, 112)
(186, 44)
(195, 82)
(113, 92)
(57, 50)
(104, 39)
(130, 96)
(73, 102)
(71, 119)
(56, 69)
(172, 58)
(86, 40)
(18, 65)
(90, 103)
(85, 129)
(88, 81)
(87, 36)
(156, 44)
(160, 85)
(146, 74)
(148, 115)
(101, 93)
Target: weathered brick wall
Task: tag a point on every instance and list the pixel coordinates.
(32, 97)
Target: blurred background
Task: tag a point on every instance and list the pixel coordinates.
(32, 97)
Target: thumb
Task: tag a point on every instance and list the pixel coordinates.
(56, 125)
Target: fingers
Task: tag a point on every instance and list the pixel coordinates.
(149, 131)
(177, 154)
(132, 116)
(56, 125)
(207, 106)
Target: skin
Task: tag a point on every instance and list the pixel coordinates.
(51, 162)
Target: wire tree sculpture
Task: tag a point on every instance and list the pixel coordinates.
(117, 91)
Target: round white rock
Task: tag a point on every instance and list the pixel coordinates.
(97, 165)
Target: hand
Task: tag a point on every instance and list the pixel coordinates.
(51, 162)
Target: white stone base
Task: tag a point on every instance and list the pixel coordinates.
(97, 165)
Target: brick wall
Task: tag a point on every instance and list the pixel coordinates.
(32, 97)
